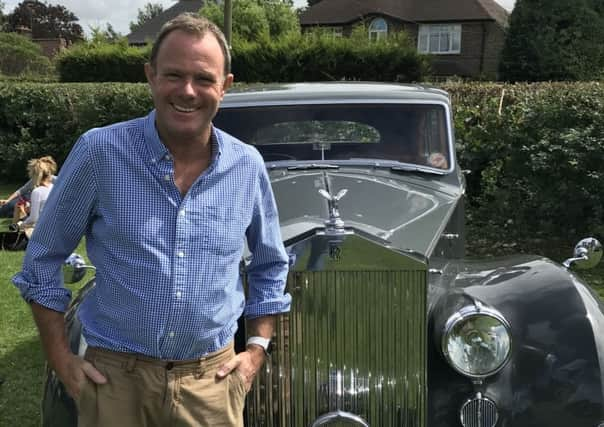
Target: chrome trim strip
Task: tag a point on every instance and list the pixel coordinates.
(339, 415)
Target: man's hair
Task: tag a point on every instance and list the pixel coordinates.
(196, 25)
(41, 169)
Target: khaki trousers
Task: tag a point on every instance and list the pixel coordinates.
(146, 392)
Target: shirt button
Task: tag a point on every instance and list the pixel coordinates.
(167, 157)
(171, 334)
(181, 254)
(178, 294)
(181, 212)
(166, 177)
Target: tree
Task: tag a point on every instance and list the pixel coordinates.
(147, 13)
(99, 35)
(567, 45)
(281, 16)
(2, 17)
(255, 20)
(45, 21)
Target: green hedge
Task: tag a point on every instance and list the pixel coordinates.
(313, 57)
(41, 119)
(321, 57)
(102, 62)
(536, 156)
(535, 152)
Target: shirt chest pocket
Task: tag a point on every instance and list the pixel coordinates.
(218, 230)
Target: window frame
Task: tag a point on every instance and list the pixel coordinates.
(427, 31)
(380, 33)
(337, 31)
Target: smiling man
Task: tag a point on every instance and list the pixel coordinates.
(161, 319)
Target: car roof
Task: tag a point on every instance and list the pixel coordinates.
(289, 93)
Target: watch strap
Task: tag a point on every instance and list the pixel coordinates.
(261, 341)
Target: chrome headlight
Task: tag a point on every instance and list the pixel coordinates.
(477, 341)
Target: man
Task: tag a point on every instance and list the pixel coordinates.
(165, 202)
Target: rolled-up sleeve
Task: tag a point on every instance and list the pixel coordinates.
(267, 271)
(58, 231)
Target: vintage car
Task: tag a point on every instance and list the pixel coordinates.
(390, 324)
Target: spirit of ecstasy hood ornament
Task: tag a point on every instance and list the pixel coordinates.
(334, 222)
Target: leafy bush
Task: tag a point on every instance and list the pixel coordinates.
(46, 119)
(102, 62)
(19, 56)
(319, 56)
(292, 57)
(536, 154)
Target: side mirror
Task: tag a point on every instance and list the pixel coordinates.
(74, 268)
(588, 254)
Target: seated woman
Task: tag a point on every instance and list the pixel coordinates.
(41, 173)
(16, 204)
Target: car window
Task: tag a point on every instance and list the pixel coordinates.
(408, 133)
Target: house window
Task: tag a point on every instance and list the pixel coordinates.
(439, 38)
(378, 29)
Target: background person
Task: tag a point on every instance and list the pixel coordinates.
(7, 206)
(41, 173)
(161, 319)
(22, 194)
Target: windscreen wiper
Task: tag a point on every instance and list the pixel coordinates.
(415, 168)
(312, 166)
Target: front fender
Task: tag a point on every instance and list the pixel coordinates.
(58, 408)
(555, 376)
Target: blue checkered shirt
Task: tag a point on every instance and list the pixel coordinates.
(168, 282)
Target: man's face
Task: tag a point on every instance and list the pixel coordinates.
(187, 84)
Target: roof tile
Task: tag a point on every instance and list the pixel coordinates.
(336, 12)
(150, 29)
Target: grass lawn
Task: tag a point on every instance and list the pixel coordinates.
(22, 361)
(21, 358)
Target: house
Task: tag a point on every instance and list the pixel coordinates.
(50, 46)
(464, 37)
(150, 29)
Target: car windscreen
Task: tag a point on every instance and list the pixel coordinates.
(407, 133)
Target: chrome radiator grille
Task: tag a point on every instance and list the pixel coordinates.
(354, 341)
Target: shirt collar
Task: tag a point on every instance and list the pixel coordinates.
(157, 149)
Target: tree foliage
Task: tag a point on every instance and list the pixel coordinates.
(2, 16)
(98, 35)
(147, 13)
(256, 20)
(282, 18)
(45, 20)
(567, 44)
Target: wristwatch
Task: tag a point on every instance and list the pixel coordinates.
(261, 341)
